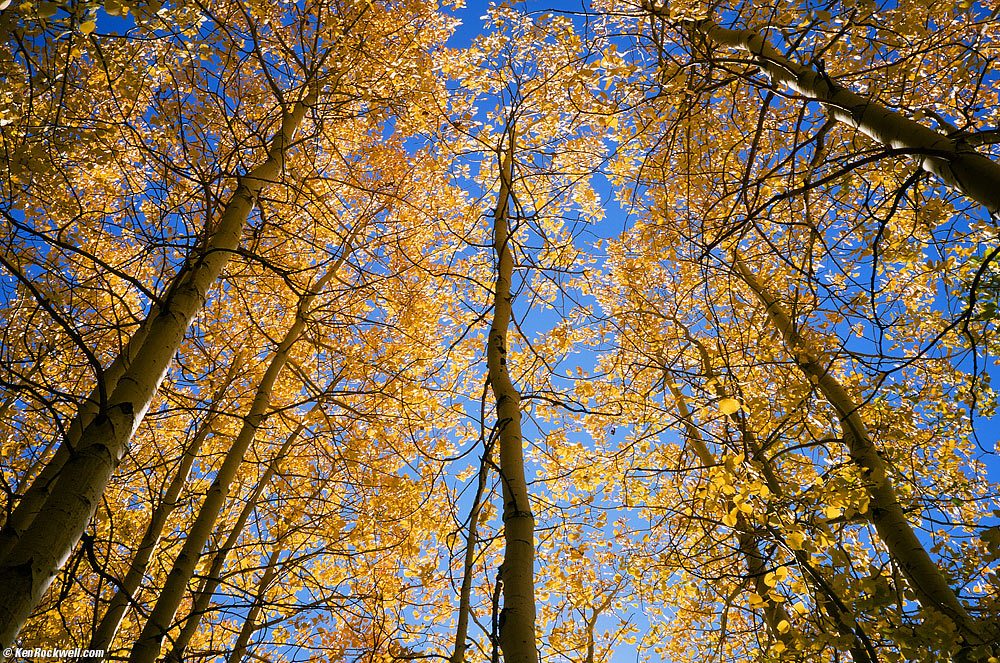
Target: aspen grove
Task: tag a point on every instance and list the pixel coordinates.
(371, 331)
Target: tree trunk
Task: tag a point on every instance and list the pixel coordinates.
(40, 489)
(885, 512)
(774, 612)
(249, 623)
(33, 562)
(465, 594)
(958, 165)
(861, 648)
(517, 619)
(108, 627)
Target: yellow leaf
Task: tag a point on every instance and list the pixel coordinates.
(728, 406)
(795, 540)
(784, 626)
(87, 27)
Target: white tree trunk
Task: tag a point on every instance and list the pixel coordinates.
(885, 512)
(147, 647)
(517, 619)
(203, 599)
(958, 165)
(108, 627)
(40, 489)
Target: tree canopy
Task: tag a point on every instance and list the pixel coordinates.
(380, 330)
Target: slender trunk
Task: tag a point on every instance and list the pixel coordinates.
(956, 163)
(213, 578)
(33, 562)
(861, 647)
(249, 623)
(108, 627)
(885, 512)
(147, 647)
(517, 619)
(747, 537)
(591, 624)
(465, 595)
(774, 612)
(270, 570)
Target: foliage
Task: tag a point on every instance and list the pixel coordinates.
(752, 255)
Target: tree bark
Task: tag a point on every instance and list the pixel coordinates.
(861, 647)
(465, 594)
(774, 612)
(108, 627)
(33, 562)
(956, 163)
(517, 619)
(249, 624)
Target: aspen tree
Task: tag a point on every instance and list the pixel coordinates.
(923, 575)
(775, 616)
(517, 573)
(39, 489)
(471, 539)
(160, 620)
(750, 538)
(811, 198)
(952, 159)
(533, 67)
(212, 580)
